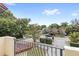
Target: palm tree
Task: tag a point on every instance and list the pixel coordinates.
(34, 31)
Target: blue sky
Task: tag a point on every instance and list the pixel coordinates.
(45, 13)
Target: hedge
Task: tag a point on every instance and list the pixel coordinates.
(74, 44)
(46, 40)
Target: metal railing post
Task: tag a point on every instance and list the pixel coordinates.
(61, 52)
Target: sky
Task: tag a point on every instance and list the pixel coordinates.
(45, 13)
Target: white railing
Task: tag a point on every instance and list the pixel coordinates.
(36, 49)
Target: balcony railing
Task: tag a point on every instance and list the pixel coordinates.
(24, 48)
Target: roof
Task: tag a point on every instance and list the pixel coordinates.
(2, 7)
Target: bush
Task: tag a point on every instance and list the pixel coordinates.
(74, 39)
(74, 44)
(42, 40)
(46, 40)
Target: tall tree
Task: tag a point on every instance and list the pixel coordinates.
(64, 24)
(75, 22)
(54, 25)
(53, 28)
(21, 26)
(43, 26)
(11, 26)
(34, 31)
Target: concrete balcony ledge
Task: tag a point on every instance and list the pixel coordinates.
(71, 51)
(7, 46)
(71, 48)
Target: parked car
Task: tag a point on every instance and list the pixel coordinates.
(50, 36)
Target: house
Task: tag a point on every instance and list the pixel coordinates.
(2, 7)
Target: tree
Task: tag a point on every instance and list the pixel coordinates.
(61, 31)
(34, 31)
(74, 37)
(69, 29)
(54, 25)
(45, 31)
(53, 31)
(53, 28)
(7, 14)
(21, 26)
(43, 26)
(64, 24)
(5, 26)
(75, 22)
(11, 26)
(7, 21)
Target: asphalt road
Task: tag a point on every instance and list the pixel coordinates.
(60, 41)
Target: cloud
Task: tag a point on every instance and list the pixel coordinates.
(51, 12)
(76, 13)
(11, 4)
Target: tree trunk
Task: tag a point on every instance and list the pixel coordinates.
(34, 39)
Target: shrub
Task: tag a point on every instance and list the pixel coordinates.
(74, 44)
(46, 40)
(74, 39)
(42, 40)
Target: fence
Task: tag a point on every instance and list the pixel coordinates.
(24, 48)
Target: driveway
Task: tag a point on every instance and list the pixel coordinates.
(60, 41)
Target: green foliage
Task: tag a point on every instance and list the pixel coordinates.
(21, 26)
(54, 25)
(75, 22)
(45, 31)
(7, 14)
(74, 44)
(64, 24)
(43, 26)
(34, 31)
(42, 40)
(46, 40)
(57, 29)
(74, 37)
(7, 22)
(69, 29)
(11, 26)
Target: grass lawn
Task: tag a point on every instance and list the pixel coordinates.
(36, 52)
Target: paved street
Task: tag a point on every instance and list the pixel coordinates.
(60, 42)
